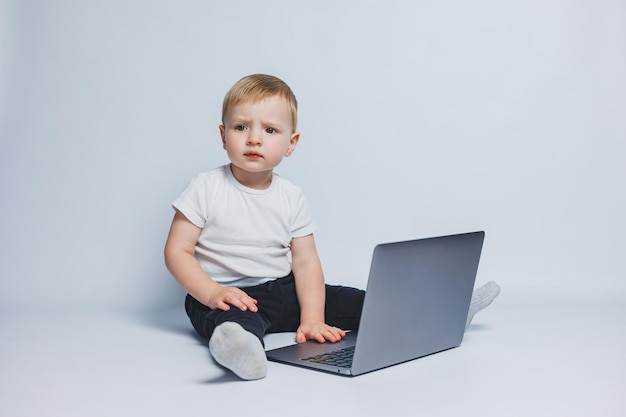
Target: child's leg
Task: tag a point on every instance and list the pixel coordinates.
(344, 306)
(481, 298)
(205, 320)
(235, 337)
(238, 350)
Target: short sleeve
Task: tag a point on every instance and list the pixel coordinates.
(192, 202)
(302, 223)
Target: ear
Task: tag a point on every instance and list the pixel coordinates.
(293, 142)
(223, 135)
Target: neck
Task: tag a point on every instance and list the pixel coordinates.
(254, 180)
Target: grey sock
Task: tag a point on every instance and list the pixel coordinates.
(238, 350)
(481, 298)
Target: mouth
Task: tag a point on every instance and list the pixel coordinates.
(253, 155)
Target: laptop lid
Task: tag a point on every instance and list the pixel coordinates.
(416, 304)
(417, 299)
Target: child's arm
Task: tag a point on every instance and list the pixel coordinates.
(311, 292)
(182, 264)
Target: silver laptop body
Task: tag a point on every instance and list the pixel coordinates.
(416, 304)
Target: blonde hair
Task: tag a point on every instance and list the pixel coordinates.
(256, 87)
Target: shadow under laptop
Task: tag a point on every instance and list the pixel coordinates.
(477, 328)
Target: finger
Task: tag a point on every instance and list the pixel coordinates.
(300, 337)
(338, 333)
(252, 304)
(223, 306)
(246, 303)
(334, 334)
(331, 337)
(234, 300)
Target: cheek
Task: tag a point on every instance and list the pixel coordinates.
(284, 148)
(230, 142)
(231, 148)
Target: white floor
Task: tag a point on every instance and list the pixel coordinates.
(528, 355)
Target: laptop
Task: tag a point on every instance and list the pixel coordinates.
(416, 304)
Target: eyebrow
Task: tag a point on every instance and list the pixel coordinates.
(246, 120)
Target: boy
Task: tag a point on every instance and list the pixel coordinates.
(235, 229)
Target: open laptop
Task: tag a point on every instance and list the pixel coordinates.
(416, 304)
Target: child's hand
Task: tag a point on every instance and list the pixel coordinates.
(319, 331)
(224, 297)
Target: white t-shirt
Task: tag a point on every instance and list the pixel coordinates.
(246, 233)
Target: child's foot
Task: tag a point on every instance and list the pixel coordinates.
(238, 350)
(481, 298)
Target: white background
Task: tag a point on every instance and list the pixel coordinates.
(417, 119)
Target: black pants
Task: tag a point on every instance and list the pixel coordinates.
(279, 310)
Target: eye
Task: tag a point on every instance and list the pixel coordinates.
(270, 130)
(241, 128)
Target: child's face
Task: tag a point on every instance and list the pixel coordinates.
(258, 135)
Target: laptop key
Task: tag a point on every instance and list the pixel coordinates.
(341, 358)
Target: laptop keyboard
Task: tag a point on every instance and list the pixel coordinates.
(341, 358)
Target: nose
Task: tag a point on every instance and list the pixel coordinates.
(254, 138)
